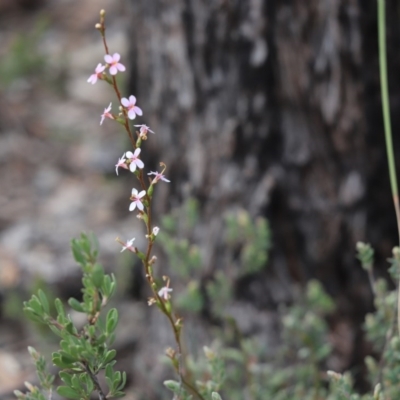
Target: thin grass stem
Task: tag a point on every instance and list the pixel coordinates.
(387, 124)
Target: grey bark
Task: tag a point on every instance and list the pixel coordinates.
(272, 106)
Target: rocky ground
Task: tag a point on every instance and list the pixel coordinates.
(57, 173)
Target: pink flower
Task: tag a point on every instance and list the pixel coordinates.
(106, 114)
(143, 130)
(156, 229)
(97, 74)
(113, 63)
(128, 245)
(131, 106)
(121, 164)
(164, 292)
(136, 197)
(134, 159)
(158, 176)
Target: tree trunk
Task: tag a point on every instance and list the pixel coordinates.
(272, 106)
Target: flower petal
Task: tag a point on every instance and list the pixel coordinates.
(140, 205)
(132, 99)
(140, 163)
(141, 194)
(121, 67)
(132, 206)
(100, 68)
(138, 110)
(116, 57)
(132, 167)
(113, 70)
(108, 59)
(131, 113)
(137, 152)
(134, 192)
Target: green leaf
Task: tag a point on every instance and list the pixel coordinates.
(76, 305)
(59, 307)
(96, 244)
(56, 331)
(174, 386)
(75, 384)
(64, 345)
(32, 315)
(113, 286)
(66, 378)
(101, 339)
(111, 320)
(89, 384)
(33, 353)
(66, 357)
(44, 301)
(98, 276)
(77, 252)
(65, 391)
(58, 362)
(70, 328)
(106, 286)
(109, 356)
(109, 375)
(123, 383)
(35, 304)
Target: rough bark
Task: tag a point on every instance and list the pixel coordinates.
(272, 106)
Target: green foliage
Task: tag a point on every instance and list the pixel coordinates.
(365, 253)
(184, 258)
(45, 379)
(290, 371)
(295, 369)
(209, 373)
(254, 238)
(83, 352)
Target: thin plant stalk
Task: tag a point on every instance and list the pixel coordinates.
(387, 124)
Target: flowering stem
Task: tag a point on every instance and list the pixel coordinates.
(173, 320)
(387, 125)
(114, 82)
(126, 124)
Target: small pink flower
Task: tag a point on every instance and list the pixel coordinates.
(134, 159)
(156, 229)
(128, 246)
(106, 114)
(97, 74)
(131, 106)
(143, 130)
(114, 64)
(121, 164)
(158, 176)
(164, 292)
(136, 197)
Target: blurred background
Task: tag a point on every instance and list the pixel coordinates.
(262, 109)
